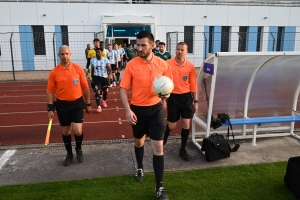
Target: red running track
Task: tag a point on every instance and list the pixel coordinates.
(23, 116)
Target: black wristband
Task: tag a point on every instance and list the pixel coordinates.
(88, 104)
(195, 101)
(50, 107)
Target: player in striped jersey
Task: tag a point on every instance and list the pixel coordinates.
(112, 57)
(102, 71)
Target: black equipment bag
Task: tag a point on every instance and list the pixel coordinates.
(292, 176)
(216, 147)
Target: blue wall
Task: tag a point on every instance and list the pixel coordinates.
(58, 41)
(251, 40)
(272, 38)
(27, 47)
(288, 43)
(217, 39)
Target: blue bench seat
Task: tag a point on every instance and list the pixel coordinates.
(256, 121)
(263, 120)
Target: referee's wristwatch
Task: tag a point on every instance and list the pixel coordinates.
(195, 101)
(88, 104)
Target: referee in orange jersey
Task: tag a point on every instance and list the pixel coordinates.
(145, 112)
(69, 82)
(183, 101)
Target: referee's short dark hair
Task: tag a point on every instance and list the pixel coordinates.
(162, 43)
(145, 34)
(96, 40)
(183, 43)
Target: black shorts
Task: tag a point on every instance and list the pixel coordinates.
(150, 121)
(180, 105)
(70, 111)
(100, 83)
(113, 68)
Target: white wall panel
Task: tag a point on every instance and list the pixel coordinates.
(22, 13)
(155, 10)
(172, 15)
(199, 29)
(257, 14)
(53, 11)
(175, 28)
(161, 33)
(75, 14)
(279, 16)
(217, 16)
(294, 17)
(194, 15)
(238, 15)
(126, 9)
(95, 12)
(4, 14)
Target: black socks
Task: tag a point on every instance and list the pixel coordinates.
(78, 140)
(139, 155)
(184, 137)
(68, 143)
(158, 166)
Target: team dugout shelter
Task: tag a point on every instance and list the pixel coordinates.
(259, 90)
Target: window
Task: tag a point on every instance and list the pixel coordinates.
(242, 38)
(225, 38)
(279, 38)
(64, 35)
(258, 42)
(189, 37)
(39, 40)
(125, 31)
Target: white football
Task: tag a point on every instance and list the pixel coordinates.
(163, 85)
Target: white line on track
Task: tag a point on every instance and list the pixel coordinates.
(23, 96)
(22, 103)
(39, 111)
(23, 90)
(30, 125)
(12, 113)
(19, 86)
(5, 157)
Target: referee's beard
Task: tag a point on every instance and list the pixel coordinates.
(144, 55)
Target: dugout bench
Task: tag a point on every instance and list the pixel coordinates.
(254, 88)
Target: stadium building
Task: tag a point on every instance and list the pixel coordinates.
(32, 31)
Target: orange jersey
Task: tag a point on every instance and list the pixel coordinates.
(184, 77)
(68, 82)
(140, 75)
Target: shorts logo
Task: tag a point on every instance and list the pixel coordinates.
(185, 78)
(75, 81)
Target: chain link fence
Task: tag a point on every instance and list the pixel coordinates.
(202, 44)
(38, 51)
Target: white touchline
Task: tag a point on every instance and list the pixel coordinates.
(4, 158)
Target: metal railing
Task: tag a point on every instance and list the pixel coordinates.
(283, 3)
(202, 44)
(38, 51)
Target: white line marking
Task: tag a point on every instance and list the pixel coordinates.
(39, 111)
(29, 125)
(4, 158)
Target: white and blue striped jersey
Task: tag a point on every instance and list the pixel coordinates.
(100, 66)
(122, 51)
(111, 55)
(118, 55)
